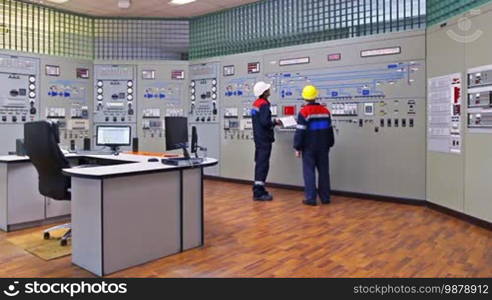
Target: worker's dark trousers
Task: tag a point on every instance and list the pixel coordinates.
(319, 160)
(262, 165)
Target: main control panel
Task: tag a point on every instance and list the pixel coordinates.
(377, 105)
(358, 97)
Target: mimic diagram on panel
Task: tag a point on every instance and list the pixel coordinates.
(352, 92)
(163, 92)
(444, 114)
(345, 84)
(349, 93)
(68, 105)
(162, 99)
(68, 90)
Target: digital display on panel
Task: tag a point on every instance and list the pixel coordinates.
(380, 52)
(148, 74)
(178, 74)
(294, 61)
(334, 57)
(82, 73)
(228, 70)
(253, 67)
(52, 70)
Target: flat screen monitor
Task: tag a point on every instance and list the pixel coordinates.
(113, 135)
(176, 132)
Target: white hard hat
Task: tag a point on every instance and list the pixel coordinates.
(260, 88)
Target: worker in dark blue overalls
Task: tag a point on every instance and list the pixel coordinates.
(313, 139)
(263, 125)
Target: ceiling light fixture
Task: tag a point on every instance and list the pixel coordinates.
(124, 4)
(58, 1)
(180, 2)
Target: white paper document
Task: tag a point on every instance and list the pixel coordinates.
(288, 122)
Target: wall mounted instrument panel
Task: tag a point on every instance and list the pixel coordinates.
(115, 101)
(480, 98)
(67, 99)
(162, 88)
(238, 100)
(204, 108)
(19, 97)
(377, 104)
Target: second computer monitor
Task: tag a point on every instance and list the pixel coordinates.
(176, 133)
(113, 136)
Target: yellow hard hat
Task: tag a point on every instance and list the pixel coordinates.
(309, 93)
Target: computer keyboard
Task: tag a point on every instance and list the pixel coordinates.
(181, 161)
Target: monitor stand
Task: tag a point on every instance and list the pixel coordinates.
(186, 155)
(184, 161)
(115, 150)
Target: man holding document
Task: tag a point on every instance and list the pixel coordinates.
(313, 139)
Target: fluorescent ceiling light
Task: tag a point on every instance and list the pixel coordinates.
(180, 2)
(58, 1)
(124, 3)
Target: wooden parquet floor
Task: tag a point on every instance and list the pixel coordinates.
(283, 238)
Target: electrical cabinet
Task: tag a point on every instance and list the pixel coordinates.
(115, 101)
(67, 99)
(162, 92)
(19, 97)
(204, 109)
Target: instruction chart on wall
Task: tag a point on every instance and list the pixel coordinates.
(444, 114)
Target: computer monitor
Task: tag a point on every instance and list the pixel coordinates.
(113, 136)
(177, 134)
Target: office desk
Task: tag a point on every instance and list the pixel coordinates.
(21, 205)
(128, 214)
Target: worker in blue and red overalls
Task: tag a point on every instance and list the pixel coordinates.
(313, 139)
(263, 125)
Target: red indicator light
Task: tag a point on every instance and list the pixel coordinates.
(289, 110)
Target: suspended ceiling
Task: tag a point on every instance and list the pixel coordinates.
(145, 8)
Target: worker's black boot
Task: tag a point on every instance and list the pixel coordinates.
(260, 194)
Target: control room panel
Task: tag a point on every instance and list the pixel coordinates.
(67, 100)
(19, 97)
(480, 98)
(115, 101)
(375, 99)
(19, 89)
(162, 89)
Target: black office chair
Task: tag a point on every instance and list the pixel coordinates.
(41, 139)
